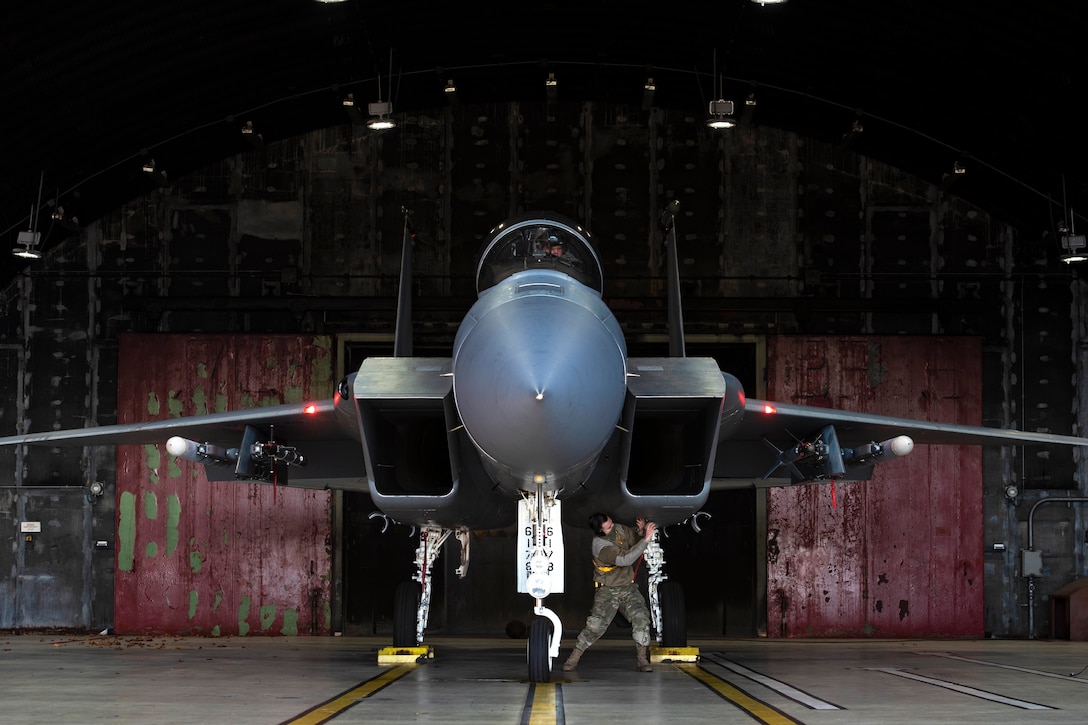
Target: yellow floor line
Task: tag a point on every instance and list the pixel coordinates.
(330, 709)
(759, 710)
(543, 709)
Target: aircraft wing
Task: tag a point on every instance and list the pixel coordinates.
(815, 443)
(801, 419)
(334, 457)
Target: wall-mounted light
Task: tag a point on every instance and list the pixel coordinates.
(551, 87)
(950, 179)
(850, 137)
(348, 102)
(648, 90)
(250, 134)
(96, 488)
(450, 92)
(1012, 491)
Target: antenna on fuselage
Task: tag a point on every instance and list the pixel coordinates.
(402, 339)
(672, 272)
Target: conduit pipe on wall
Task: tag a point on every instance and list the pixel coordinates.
(1024, 566)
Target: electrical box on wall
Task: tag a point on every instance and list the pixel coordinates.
(1031, 563)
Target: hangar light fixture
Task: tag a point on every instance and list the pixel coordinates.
(31, 237)
(380, 118)
(721, 110)
(1073, 245)
(381, 112)
(767, 2)
(29, 241)
(721, 115)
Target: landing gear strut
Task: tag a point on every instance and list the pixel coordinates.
(540, 573)
(412, 606)
(666, 599)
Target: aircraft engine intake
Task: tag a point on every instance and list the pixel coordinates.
(673, 413)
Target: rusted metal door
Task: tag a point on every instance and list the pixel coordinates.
(901, 555)
(217, 558)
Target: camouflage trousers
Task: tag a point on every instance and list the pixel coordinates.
(627, 600)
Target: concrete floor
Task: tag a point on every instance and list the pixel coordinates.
(86, 679)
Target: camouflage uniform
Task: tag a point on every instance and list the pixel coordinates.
(615, 590)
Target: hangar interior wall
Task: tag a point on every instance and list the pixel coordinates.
(779, 235)
(234, 558)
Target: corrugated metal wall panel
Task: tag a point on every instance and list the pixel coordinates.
(899, 556)
(217, 558)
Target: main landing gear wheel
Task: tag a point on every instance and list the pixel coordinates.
(537, 648)
(674, 628)
(405, 613)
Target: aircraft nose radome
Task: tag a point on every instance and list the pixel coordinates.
(539, 384)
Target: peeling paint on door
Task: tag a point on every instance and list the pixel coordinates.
(244, 558)
(901, 555)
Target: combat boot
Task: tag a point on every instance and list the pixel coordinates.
(643, 655)
(572, 661)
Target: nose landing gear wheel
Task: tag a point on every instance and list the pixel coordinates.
(536, 650)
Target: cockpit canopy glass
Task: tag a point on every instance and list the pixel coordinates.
(539, 243)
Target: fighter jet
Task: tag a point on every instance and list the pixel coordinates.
(538, 416)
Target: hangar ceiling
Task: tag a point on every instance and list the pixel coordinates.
(91, 90)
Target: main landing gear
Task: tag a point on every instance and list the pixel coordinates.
(666, 599)
(412, 605)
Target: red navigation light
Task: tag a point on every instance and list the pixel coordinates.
(769, 409)
(310, 409)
